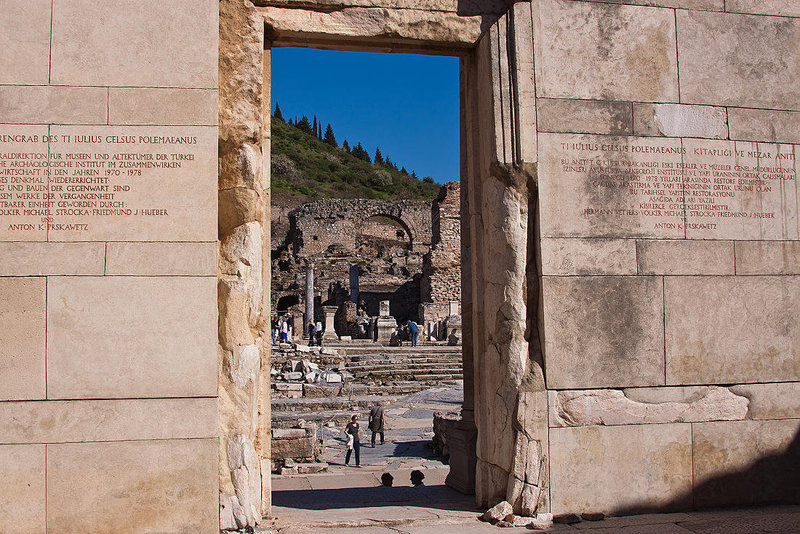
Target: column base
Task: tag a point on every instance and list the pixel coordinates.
(463, 457)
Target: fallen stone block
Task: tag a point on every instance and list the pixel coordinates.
(302, 348)
(288, 433)
(308, 468)
(593, 516)
(498, 512)
(567, 519)
(284, 386)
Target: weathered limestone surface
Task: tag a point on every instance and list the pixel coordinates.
(706, 5)
(730, 345)
(575, 256)
(397, 26)
(787, 8)
(165, 259)
(767, 257)
(22, 493)
(584, 116)
(22, 338)
(605, 52)
(145, 105)
(678, 120)
(92, 45)
(771, 401)
(26, 47)
(243, 199)
(614, 407)
(49, 104)
(723, 54)
(39, 259)
(731, 459)
(122, 419)
(764, 125)
(136, 486)
(128, 337)
(631, 468)
(685, 257)
(604, 331)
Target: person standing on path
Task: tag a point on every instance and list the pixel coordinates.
(353, 441)
(414, 330)
(311, 331)
(377, 420)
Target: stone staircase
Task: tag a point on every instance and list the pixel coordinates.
(380, 373)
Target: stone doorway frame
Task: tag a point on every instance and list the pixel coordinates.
(502, 359)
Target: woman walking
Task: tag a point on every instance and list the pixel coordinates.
(353, 441)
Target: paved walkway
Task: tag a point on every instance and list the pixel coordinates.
(351, 500)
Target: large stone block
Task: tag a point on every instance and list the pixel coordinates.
(170, 173)
(746, 462)
(604, 331)
(24, 162)
(723, 53)
(575, 256)
(767, 257)
(123, 337)
(678, 120)
(788, 8)
(706, 5)
(685, 257)
(771, 401)
(727, 330)
(603, 186)
(621, 469)
(154, 44)
(53, 104)
(124, 419)
(22, 493)
(605, 52)
(158, 259)
(584, 116)
(25, 41)
(764, 125)
(132, 487)
(179, 107)
(22, 338)
(60, 259)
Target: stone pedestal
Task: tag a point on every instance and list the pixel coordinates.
(385, 326)
(463, 457)
(330, 331)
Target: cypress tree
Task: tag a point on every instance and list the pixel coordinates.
(361, 153)
(346, 146)
(278, 115)
(304, 125)
(403, 170)
(314, 128)
(378, 156)
(329, 137)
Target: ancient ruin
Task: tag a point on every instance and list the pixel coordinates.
(354, 254)
(629, 230)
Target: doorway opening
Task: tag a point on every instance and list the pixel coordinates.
(371, 241)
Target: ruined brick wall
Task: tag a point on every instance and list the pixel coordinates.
(318, 225)
(442, 266)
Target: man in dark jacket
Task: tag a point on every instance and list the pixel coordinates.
(377, 421)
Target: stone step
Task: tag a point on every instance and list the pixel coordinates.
(393, 358)
(407, 371)
(356, 369)
(328, 403)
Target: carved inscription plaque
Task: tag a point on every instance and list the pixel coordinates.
(673, 188)
(79, 183)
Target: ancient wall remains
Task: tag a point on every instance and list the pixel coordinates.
(108, 265)
(442, 266)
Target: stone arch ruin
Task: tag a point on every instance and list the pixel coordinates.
(318, 225)
(611, 196)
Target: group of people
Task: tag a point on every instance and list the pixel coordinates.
(315, 332)
(282, 329)
(417, 477)
(408, 330)
(377, 424)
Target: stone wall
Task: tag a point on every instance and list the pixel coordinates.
(665, 215)
(318, 225)
(108, 266)
(441, 267)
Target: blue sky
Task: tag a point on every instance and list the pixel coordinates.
(405, 104)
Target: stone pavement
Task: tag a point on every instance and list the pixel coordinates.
(349, 499)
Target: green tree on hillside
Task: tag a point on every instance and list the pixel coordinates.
(329, 137)
(346, 146)
(378, 156)
(361, 153)
(303, 125)
(278, 115)
(314, 127)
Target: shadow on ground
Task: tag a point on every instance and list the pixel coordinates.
(438, 497)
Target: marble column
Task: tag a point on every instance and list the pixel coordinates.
(309, 297)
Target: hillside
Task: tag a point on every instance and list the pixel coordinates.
(307, 169)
